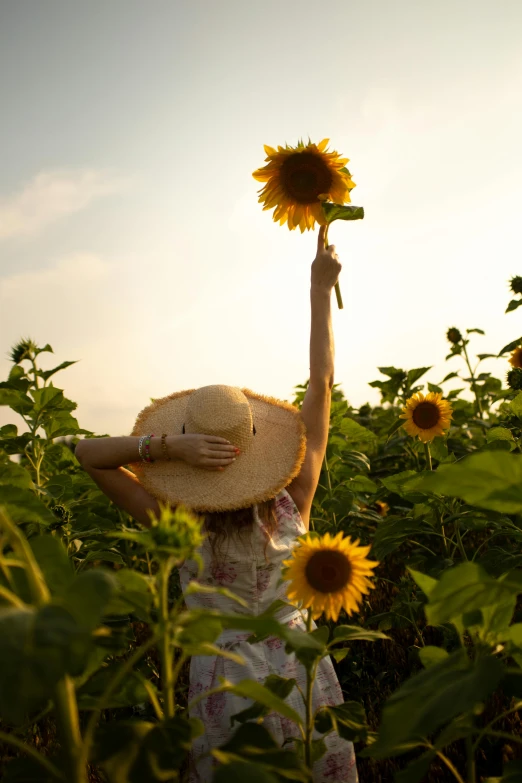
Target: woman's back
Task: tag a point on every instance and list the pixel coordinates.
(249, 563)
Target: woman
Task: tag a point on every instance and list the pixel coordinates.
(250, 465)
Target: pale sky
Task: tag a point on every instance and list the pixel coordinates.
(130, 234)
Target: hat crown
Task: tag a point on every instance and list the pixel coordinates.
(223, 411)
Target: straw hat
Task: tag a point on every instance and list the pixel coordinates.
(270, 434)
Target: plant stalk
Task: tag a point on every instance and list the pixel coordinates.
(330, 491)
(165, 650)
(310, 675)
(337, 289)
(429, 466)
(68, 721)
(473, 382)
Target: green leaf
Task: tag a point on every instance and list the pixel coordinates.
(249, 689)
(439, 450)
(514, 303)
(52, 558)
(130, 692)
(23, 506)
(515, 406)
(394, 427)
(196, 628)
(361, 484)
(341, 212)
(430, 655)
(103, 555)
(433, 697)
(352, 633)
(88, 597)
(414, 375)
(425, 582)
(280, 686)
(463, 589)
(407, 484)
(510, 346)
(198, 587)
(340, 653)
(46, 374)
(358, 437)
(16, 400)
(62, 423)
(499, 433)
(252, 743)
(392, 532)
(132, 594)
(432, 387)
(134, 752)
(348, 720)
(14, 475)
(488, 479)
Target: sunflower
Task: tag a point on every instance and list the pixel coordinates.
(426, 416)
(516, 357)
(514, 379)
(329, 574)
(516, 284)
(453, 335)
(381, 508)
(298, 179)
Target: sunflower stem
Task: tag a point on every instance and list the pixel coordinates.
(337, 289)
(429, 464)
(473, 382)
(310, 676)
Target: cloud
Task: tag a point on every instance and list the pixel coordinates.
(52, 195)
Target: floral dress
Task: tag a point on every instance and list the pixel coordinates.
(251, 568)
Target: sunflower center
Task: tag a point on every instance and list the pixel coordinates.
(426, 415)
(328, 571)
(304, 176)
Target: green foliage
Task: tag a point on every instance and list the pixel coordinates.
(77, 575)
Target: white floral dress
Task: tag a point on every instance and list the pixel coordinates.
(251, 567)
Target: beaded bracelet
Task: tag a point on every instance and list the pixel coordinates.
(147, 457)
(164, 446)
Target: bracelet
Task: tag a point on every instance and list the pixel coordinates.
(140, 447)
(164, 446)
(147, 457)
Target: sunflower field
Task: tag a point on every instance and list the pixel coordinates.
(417, 522)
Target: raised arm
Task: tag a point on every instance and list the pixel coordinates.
(316, 404)
(104, 458)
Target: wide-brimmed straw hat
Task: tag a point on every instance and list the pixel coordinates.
(270, 434)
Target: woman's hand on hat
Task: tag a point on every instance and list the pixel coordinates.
(203, 451)
(326, 266)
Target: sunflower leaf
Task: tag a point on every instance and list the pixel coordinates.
(513, 305)
(489, 479)
(353, 633)
(510, 346)
(341, 212)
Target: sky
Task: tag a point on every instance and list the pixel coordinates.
(131, 238)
